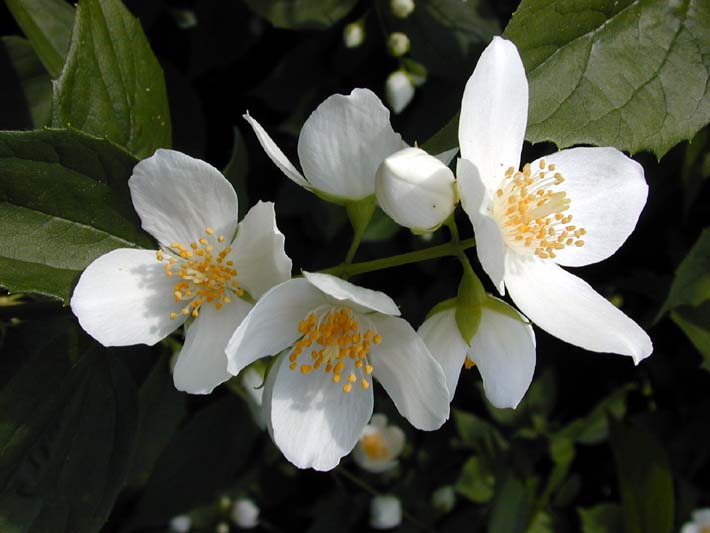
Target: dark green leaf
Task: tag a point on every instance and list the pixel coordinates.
(541, 523)
(695, 323)
(691, 285)
(64, 201)
(512, 506)
(479, 434)
(301, 14)
(35, 86)
(67, 438)
(602, 518)
(562, 454)
(48, 26)
(645, 480)
(112, 85)
(634, 74)
(199, 462)
(444, 139)
(237, 170)
(380, 228)
(476, 481)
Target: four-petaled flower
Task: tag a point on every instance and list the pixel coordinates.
(334, 337)
(572, 208)
(200, 276)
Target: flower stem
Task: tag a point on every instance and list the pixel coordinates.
(443, 250)
(360, 213)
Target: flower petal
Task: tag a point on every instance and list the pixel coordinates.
(124, 298)
(494, 112)
(344, 141)
(272, 324)
(409, 373)
(607, 192)
(275, 153)
(504, 352)
(312, 421)
(258, 251)
(177, 197)
(441, 335)
(364, 300)
(448, 156)
(202, 364)
(567, 307)
(489, 239)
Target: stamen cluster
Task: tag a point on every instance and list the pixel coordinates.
(374, 446)
(530, 212)
(336, 342)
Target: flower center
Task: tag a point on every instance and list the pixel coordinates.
(468, 363)
(530, 212)
(205, 275)
(336, 342)
(705, 529)
(374, 446)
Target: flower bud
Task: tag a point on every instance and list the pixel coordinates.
(399, 91)
(402, 8)
(443, 499)
(385, 512)
(398, 44)
(180, 524)
(222, 527)
(415, 189)
(354, 34)
(245, 513)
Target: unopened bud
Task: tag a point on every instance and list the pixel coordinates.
(402, 8)
(415, 189)
(180, 524)
(399, 91)
(385, 512)
(443, 499)
(354, 34)
(245, 513)
(222, 527)
(398, 44)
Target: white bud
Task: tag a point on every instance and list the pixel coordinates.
(180, 524)
(385, 512)
(354, 34)
(402, 8)
(399, 91)
(245, 513)
(415, 189)
(222, 527)
(398, 44)
(444, 498)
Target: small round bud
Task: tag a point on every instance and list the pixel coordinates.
(222, 527)
(354, 34)
(180, 524)
(443, 499)
(399, 91)
(402, 8)
(385, 512)
(245, 513)
(415, 189)
(398, 44)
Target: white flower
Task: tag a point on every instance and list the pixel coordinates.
(399, 91)
(245, 513)
(180, 524)
(398, 43)
(385, 512)
(700, 523)
(401, 8)
(318, 394)
(379, 446)
(204, 265)
(340, 146)
(416, 189)
(354, 34)
(572, 208)
(503, 349)
(252, 382)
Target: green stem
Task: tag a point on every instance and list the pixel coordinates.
(357, 237)
(360, 213)
(443, 250)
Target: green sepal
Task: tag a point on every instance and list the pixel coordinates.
(332, 198)
(360, 212)
(470, 299)
(441, 307)
(499, 306)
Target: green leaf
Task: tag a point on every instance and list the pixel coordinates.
(64, 201)
(380, 228)
(541, 523)
(444, 139)
(48, 26)
(476, 481)
(470, 298)
(562, 454)
(695, 323)
(301, 14)
(512, 506)
(633, 74)
(691, 285)
(479, 434)
(237, 170)
(199, 462)
(645, 480)
(602, 518)
(112, 85)
(35, 83)
(67, 438)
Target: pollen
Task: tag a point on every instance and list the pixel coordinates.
(531, 210)
(204, 275)
(337, 341)
(468, 363)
